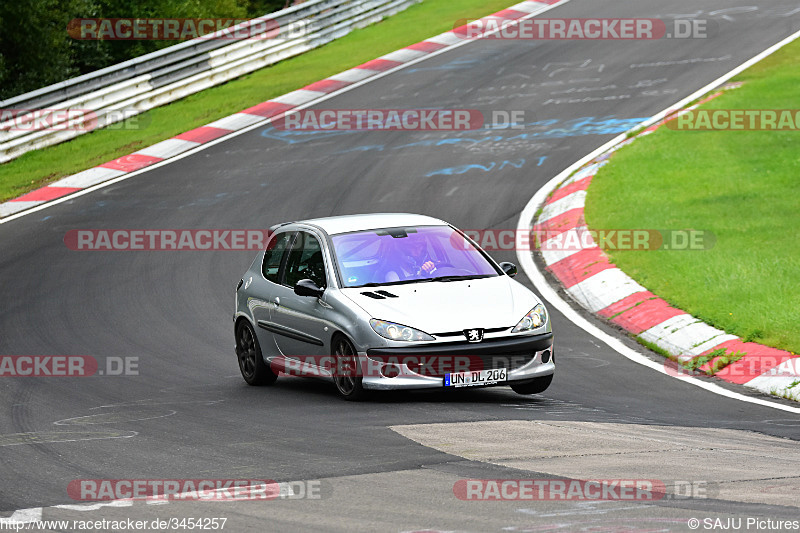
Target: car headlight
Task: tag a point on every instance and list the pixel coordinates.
(398, 332)
(536, 318)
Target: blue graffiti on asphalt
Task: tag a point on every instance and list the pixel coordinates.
(299, 136)
(463, 169)
(451, 140)
(580, 126)
(549, 129)
(365, 148)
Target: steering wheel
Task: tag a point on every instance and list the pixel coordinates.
(436, 267)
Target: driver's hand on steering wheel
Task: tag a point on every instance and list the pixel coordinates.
(427, 267)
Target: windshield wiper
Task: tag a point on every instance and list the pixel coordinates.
(385, 283)
(455, 278)
(423, 280)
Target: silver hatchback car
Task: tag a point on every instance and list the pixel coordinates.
(388, 301)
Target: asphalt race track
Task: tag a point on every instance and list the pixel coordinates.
(188, 413)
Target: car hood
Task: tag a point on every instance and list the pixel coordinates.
(443, 307)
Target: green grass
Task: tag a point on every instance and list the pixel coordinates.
(418, 22)
(655, 347)
(742, 186)
(721, 358)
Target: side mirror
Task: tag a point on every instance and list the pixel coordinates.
(509, 268)
(306, 287)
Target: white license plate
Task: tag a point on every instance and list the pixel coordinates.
(476, 378)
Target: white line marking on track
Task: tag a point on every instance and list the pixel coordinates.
(22, 516)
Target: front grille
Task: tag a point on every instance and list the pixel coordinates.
(437, 359)
(461, 333)
(439, 365)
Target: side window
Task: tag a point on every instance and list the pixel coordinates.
(272, 257)
(305, 261)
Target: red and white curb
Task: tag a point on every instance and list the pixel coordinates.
(264, 111)
(596, 284)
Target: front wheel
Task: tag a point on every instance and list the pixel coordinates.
(251, 363)
(346, 371)
(534, 386)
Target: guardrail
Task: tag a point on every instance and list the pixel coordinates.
(120, 91)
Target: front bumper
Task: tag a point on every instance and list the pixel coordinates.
(422, 366)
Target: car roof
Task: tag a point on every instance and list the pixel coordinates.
(348, 223)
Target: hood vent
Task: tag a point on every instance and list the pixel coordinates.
(374, 295)
(379, 295)
(387, 294)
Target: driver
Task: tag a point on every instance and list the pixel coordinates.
(414, 263)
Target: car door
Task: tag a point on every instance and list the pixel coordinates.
(262, 290)
(298, 322)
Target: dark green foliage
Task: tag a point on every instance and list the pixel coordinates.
(36, 50)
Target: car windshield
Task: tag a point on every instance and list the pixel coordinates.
(409, 254)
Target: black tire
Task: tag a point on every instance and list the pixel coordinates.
(534, 386)
(251, 362)
(346, 372)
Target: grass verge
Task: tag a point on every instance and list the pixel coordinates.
(742, 187)
(418, 22)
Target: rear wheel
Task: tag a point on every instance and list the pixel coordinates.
(534, 386)
(346, 373)
(251, 363)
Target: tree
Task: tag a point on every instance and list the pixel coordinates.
(36, 49)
